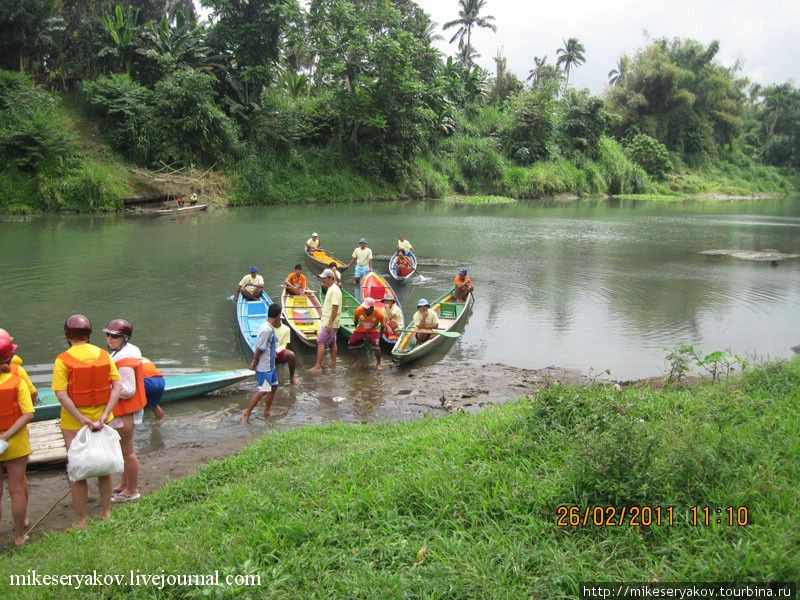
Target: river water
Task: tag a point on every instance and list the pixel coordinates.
(591, 284)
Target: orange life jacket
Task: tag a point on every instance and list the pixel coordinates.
(9, 401)
(127, 406)
(88, 383)
(463, 282)
(149, 369)
(368, 323)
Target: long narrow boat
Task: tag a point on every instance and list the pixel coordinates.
(373, 285)
(393, 267)
(349, 302)
(450, 314)
(177, 387)
(303, 315)
(250, 314)
(321, 260)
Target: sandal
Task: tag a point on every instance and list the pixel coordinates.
(125, 497)
(117, 491)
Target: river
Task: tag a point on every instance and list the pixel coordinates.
(591, 284)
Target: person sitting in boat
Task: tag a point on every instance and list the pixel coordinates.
(424, 319)
(404, 244)
(181, 201)
(370, 322)
(403, 263)
(296, 282)
(313, 243)
(337, 275)
(394, 317)
(362, 256)
(284, 356)
(463, 286)
(250, 286)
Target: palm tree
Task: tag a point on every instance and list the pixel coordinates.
(617, 76)
(570, 55)
(534, 73)
(469, 17)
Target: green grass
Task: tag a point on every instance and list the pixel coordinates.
(465, 506)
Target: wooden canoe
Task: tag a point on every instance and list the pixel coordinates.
(250, 314)
(393, 267)
(450, 313)
(321, 260)
(177, 387)
(373, 285)
(349, 302)
(179, 210)
(303, 315)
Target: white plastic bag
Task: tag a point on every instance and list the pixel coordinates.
(94, 454)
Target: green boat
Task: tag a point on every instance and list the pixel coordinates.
(177, 387)
(347, 325)
(450, 314)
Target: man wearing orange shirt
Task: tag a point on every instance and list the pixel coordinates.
(463, 286)
(367, 318)
(296, 281)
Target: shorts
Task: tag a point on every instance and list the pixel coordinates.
(327, 336)
(373, 336)
(282, 357)
(267, 380)
(154, 389)
(360, 271)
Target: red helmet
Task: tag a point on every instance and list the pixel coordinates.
(119, 327)
(77, 326)
(7, 349)
(4, 333)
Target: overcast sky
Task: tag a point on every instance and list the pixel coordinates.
(764, 34)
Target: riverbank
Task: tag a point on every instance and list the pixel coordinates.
(468, 505)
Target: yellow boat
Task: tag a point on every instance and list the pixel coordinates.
(303, 315)
(320, 260)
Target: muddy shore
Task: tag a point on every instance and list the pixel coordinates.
(433, 390)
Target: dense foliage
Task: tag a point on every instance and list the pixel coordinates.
(360, 80)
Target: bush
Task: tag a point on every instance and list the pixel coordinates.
(650, 154)
(585, 122)
(621, 175)
(527, 133)
(479, 160)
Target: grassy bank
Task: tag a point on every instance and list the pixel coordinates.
(466, 506)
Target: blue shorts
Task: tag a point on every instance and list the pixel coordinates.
(360, 271)
(267, 380)
(154, 389)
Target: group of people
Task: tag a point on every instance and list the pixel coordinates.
(95, 387)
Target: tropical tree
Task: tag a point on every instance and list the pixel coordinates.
(28, 29)
(122, 29)
(505, 84)
(617, 75)
(469, 17)
(538, 63)
(571, 55)
(170, 46)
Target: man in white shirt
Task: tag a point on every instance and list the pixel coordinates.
(331, 317)
(263, 362)
(313, 243)
(363, 259)
(404, 244)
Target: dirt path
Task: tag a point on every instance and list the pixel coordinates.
(431, 390)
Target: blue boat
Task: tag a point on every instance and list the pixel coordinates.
(393, 267)
(177, 387)
(250, 314)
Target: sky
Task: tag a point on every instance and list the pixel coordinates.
(764, 35)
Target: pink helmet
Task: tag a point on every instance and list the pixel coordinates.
(7, 349)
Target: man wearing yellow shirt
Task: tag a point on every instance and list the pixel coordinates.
(331, 317)
(363, 259)
(17, 360)
(250, 286)
(79, 380)
(404, 244)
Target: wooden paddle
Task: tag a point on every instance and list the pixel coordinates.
(450, 334)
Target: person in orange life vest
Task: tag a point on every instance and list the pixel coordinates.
(403, 263)
(154, 385)
(181, 201)
(463, 286)
(16, 411)
(296, 282)
(17, 360)
(87, 385)
(367, 318)
(130, 408)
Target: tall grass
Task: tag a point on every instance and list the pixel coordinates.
(466, 506)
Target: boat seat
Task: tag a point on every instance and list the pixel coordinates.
(256, 308)
(448, 310)
(377, 292)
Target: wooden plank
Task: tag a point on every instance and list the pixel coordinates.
(47, 442)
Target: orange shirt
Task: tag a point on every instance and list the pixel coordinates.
(458, 282)
(297, 280)
(366, 322)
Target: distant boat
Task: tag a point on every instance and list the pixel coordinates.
(321, 260)
(393, 267)
(178, 210)
(450, 314)
(177, 387)
(250, 314)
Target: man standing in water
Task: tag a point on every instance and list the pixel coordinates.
(331, 317)
(263, 362)
(363, 259)
(370, 322)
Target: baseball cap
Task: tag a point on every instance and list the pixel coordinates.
(368, 303)
(423, 302)
(315, 234)
(462, 272)
(326, 273)
(253, 269)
